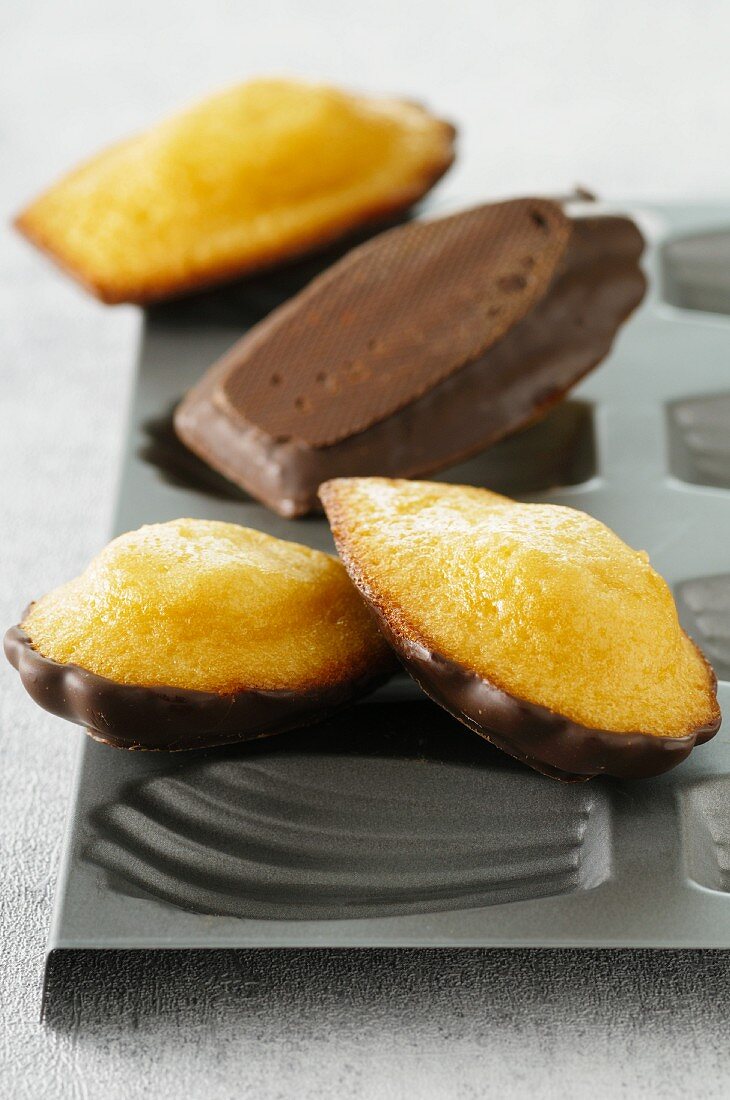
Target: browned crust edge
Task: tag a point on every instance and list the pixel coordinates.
(173, 719)
(546, 741)
(367, 216)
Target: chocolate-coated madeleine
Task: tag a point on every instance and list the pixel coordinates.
(195, 633)
(418, 349)
(249, 178)
(533, 624)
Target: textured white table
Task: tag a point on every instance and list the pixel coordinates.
(628, 97)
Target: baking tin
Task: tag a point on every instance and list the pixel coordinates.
(392, 825)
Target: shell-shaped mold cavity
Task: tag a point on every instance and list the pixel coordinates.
(705, 817)
(400, 814)
(558, 451)
(696, 272)
(699, 439)
(704, 608)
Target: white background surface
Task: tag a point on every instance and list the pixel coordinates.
(629, 98)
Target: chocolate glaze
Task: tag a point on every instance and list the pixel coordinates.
(546, 741)
(152, 718)
(393, 319)
(568, 331)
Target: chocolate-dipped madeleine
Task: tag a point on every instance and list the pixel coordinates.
(533, 624)
(195, 633)
(416, 350)
(249, 178)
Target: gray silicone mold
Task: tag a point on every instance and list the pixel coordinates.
(392, 824)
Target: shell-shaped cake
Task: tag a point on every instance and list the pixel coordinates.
(195, 633)
(250, 177)
(533, 624)
(416, 350)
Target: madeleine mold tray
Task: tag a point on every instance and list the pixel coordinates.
(391, 824)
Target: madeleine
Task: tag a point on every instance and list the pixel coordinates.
(533, 624)
(249, 178)
(195, 633)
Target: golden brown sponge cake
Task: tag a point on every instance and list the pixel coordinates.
(196, 633)
(533, 624)
(246, 179)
